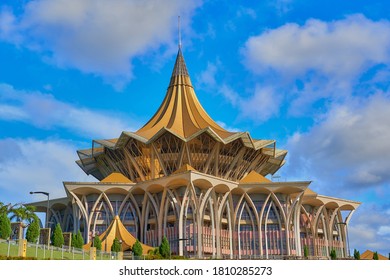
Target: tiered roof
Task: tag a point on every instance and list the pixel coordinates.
(182, 116)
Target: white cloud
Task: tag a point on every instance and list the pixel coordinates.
(44, 111)
(230, 95)
(95, 36)
(320, 62)
(262, 104)
(246, 12)
(384, 230)
(349, 144)
(9, 112)
(342, 47)
(369, 229)
(8, 27)
(228, 127)
(346, 151)
(29, 164)
(207, 78)
(281, 6)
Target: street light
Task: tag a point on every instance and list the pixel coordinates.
(47, 209)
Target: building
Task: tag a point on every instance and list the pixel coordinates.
(369, 255)
(205, 188)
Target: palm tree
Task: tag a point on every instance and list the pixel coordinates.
(5, 208)
(23, 214)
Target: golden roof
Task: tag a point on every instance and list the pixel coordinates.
(184, 168)
(181, 111)
(254, 177)
(181, 116)
(117, 230)
(368, 255)
(116, 177)
(309, 192)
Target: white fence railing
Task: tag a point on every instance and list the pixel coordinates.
(10, 248)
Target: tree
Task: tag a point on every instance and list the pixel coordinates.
(32, 232)
(356, 254)
(4, 208)
(375, 256)
(97, 243)
(137, 248)
(164, 249)
(77, 240)
(333, 254)
(23, 214)
(5, 226)
(116, 245)
(57, 237)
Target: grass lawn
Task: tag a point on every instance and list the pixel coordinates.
(53, 253)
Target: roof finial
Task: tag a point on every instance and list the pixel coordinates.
(179, 31)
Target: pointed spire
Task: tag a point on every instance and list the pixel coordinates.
(180, 111)
(180, 67)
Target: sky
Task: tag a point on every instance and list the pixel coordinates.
(312, 75)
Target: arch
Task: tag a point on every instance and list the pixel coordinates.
(226, 235)
(332, 205)
(202, 183)
(177, 182)
(221, 188)
(155, 188)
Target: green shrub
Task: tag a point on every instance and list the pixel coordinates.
(164, 249)
(97, 243)
(116, 246)
(32, 232)
(57, 238)
(77, 240)
(5, 226)
(356, 254)
(305, 252)
(137, 248)
(333, 254)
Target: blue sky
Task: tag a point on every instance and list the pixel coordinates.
(314, 76)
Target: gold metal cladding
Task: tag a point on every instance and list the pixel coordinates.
(181, 132)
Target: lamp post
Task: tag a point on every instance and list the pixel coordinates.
(47, 208)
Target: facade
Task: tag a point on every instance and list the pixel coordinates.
(205, 188)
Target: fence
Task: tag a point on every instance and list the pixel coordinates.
(10, 248)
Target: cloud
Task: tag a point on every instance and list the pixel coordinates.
(207, 78)
(346, 155)
(369, 229)
(384, 230)
(95, 36)
(44, 111)
(342, 48)
(320, 62)
(260, 105)
(302, 69)
(30, 164)
(348, 147)
(281, 6)
(228, 127)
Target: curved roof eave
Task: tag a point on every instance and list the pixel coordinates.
(244, 136)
